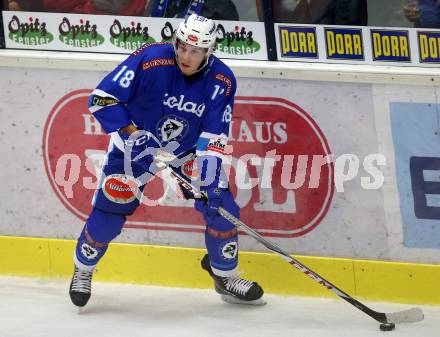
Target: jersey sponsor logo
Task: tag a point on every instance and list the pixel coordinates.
(171, 127)
(281, 203)
(129, 36)
(30, 33)
(83, 35)
(226, 80)
(229, 250)
(298, 41)
(240, 41)
(120, 188)
(157, 63)
(344, 43)
(211, 144)
(179, 103)
(429, 46)
(96, 100)
(390, 45)
(217, 145)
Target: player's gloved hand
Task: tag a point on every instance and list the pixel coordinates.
(215, 200)
(217, 197)
(209, 168)
(137, 145)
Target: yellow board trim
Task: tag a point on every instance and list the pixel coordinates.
(180, 267)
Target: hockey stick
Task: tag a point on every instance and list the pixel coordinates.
(405, 316)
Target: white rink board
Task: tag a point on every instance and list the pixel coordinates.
(354, 119)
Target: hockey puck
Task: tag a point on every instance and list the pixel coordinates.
(387, 326)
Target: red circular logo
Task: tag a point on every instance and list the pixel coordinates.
(281, 170)
(193, 38)
(120, 188)
(281, 152)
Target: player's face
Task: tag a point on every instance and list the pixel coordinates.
(189, 58)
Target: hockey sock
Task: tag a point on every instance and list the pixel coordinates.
(222, 248)
(99, 230)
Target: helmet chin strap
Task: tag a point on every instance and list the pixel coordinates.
(203, 64)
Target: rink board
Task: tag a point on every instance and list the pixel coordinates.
(348, 113)
(53, 148)
(180, 267)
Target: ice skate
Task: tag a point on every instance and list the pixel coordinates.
(234, 289)
(80, 287)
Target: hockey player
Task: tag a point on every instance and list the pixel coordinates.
(175, 94)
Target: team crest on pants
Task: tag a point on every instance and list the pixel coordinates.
(88, 251)
(229, 250)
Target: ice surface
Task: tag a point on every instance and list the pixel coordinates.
(40, 307)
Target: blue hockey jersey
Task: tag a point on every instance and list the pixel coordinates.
(149, 91)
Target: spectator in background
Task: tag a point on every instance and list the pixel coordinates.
(211, 9)
(424, 13)
(2, 35)
(339, 12)
(120, 7)
(20, 5)
(287, 11)
(115, 7)
(334, 12)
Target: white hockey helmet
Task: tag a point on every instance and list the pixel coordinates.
(197, 31)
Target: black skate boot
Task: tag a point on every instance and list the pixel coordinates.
(235, 289)
(80, 287)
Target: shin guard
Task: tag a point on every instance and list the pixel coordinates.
(100, 229)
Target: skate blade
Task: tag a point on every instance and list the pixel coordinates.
(234, 300)
(79, 310)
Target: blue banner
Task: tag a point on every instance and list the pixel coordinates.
(415, 131)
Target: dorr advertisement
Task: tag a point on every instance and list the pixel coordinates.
(358, 45)
(121, 34)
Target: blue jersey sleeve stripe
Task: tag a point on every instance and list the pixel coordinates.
(202, 144)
